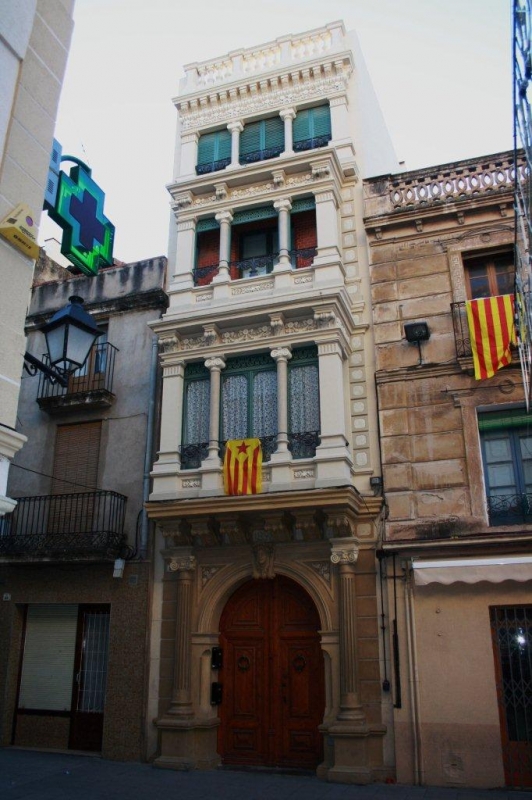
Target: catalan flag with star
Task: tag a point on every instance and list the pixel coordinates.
(243, 466)
(492, 333)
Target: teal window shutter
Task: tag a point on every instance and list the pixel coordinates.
(261, 140)
(214, 151)
(312, 128)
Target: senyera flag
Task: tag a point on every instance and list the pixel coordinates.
(243, 466)
(492, 333)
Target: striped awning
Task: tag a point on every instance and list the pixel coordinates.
(495, 569)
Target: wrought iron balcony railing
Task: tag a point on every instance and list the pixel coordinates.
(312, 144)
(510, 509)
(65, 527)
(212, 166)
(301, 445)
(96, 376)
(261, 155)
(462, 339)
(253, 267)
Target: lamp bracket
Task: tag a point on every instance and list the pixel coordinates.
(32, 365)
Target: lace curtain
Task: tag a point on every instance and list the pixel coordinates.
(304, 405)
(234, 407)
(197, 417)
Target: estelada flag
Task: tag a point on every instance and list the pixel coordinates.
(243, 466)
(492, 332)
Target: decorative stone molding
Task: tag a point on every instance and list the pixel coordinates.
(205, 297)
(323, 569)
(278, 527)
(283, 204)
(279, 178)
(204, 532)
(281, 353)
(211, 334)
(302, 474)
(232, 530)
(325, 318)
(289, 113)
(220, 190)
(186, 225)
(191, 483)
(168, 343)
(182, 201)
(296, 326)
(321, 169)
(236, 125)
(277, 324)
(307, 526)
(239, 194)
(303, 279)
(177, 533)
(207, 573)
(344, 553)
(257, 287)
(192, 342)
(342, 525)
(263, 555)
(246, 334)
(183, 563)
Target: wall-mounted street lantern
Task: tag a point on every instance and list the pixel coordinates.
(69, 336)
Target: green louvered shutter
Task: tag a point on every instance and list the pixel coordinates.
(249, 141)
(273, 136)
(214, 151)
(262, 140)
(312, 128)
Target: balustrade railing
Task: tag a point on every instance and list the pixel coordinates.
(261, 155)
(303, 444)
(193, 454)
(212, 166)
(253, 267)
(426, 187)
(312, 144)
(65, 526)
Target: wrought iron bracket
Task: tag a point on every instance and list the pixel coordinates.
(32, 365)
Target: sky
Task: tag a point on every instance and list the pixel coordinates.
(442, 71)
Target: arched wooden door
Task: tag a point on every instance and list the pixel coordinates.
(272, 677)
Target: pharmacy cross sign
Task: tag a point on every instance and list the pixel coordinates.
(77, 207)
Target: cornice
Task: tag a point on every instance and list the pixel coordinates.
(277, 88)
(345, 498)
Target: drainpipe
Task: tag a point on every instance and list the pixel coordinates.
(143, 545)
(413, 679)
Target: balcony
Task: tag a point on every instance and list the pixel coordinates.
(312, 144)
(82, 526)
(510, 509)
(261, 155)
(90, 386)
(301, 445)
(212, 166)
(254, 267)
(461, 330)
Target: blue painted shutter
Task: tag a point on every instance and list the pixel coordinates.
(274, 134)
(312, 123)
(250, 138)
(214, 147)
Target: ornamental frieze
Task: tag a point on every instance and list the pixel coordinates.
(248, 192)
(312, 89)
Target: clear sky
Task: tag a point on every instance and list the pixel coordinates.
(442, 70)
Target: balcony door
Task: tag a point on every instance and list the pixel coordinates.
(91, 376)
(272, 677)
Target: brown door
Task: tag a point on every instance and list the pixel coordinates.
(272, 677)
(90, 678)
(511, 628)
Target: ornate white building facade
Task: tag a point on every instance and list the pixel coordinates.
(265, 644)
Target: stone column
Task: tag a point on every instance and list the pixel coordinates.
(334, 459)
(282, 355)
(345, 554)
(185, 251)
(189, 154)
(184, 564)
(288, 115)
(327, 228)
(283, 207)
(169, 459)
(236, 129)
(215, 366)
(225, 219)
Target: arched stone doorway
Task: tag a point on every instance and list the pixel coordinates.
(272, 677)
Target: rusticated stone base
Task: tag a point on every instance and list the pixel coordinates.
(187, 744)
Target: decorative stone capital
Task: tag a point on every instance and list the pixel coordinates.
(339, 100)
(236, 125)
(263, 555)
(330, 349)
(215, 363)
(325, 317)
(184, 563)
(181, 201)
(284, 204)
(174, 370)
(344, 552)
(190, 138)
(321, 169)
(224, 216)
(281, 354)
(287, 113)
(168, 343)
(342, 525)
(186, 225)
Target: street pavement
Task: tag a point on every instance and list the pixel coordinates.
(37, 775)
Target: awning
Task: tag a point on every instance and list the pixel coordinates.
(472, 570)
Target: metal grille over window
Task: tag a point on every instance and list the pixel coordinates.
(93, 674)
(303, 410)
(511, 628)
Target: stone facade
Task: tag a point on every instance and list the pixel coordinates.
(84, 546)
(425, 230)
(316, 519)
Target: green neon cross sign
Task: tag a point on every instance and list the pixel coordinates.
(88, 235)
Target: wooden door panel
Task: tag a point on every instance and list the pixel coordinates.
(273, 684)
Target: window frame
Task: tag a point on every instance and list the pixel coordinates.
(487, 259)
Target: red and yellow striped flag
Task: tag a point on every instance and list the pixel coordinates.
(492, 332)
(243, 466)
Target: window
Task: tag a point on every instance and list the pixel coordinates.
(249, 400)
(312, 128)
(214, 152)
(197, 394)
(262, 140)
(489, 275)
(506, 440)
